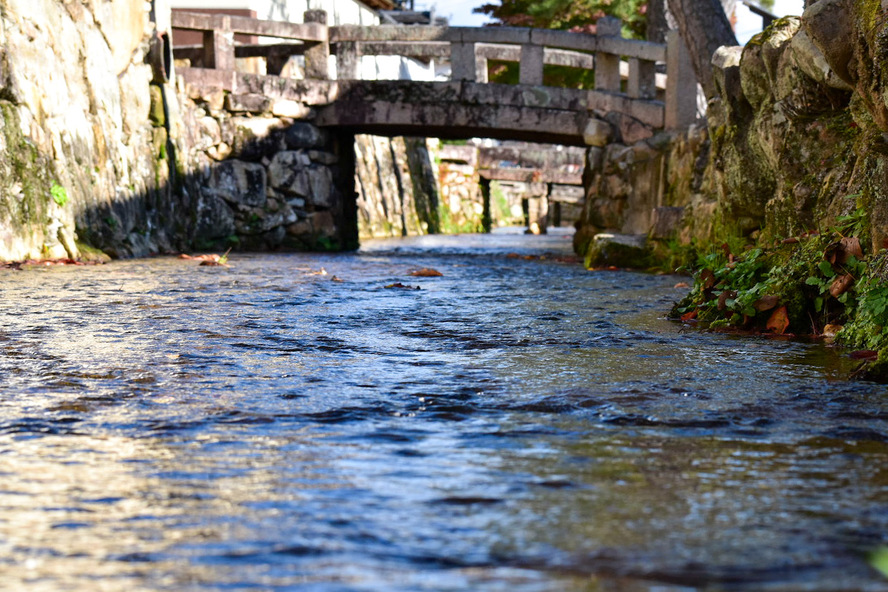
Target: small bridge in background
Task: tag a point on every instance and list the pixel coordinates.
(467, 105)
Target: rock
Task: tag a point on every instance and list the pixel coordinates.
(666, 222)
(812, 62)
(775, 41)
(323, 225)
(619, 250)
(828, 24)
(726, 76)
(753, 76)
(215, 219)
(305, 135)
(287, 172)
(156, 114)
(628, 129)
(247, 103)
(320, 181)
(597, 133)
(292, 109)
(239, 182)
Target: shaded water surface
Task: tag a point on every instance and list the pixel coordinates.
(517, 424)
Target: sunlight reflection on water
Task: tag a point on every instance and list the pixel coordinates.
(518, 423)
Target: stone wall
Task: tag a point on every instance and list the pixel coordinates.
(259, 176)
(74, 96)
(796, 138)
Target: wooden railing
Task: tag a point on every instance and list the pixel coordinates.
(468, 49)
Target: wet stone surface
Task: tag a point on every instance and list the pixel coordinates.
(516, 424)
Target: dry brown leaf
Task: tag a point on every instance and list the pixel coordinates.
(426, 272)
(841, 284)
(724, 297)
(689, 316)
(766, 303)
(778, 321)
(401, 286)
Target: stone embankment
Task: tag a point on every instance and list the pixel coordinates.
(796, 138)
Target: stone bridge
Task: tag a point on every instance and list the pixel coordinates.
(467, 105)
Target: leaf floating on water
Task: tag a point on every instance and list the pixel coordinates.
(868, 355)
(879, 560)
(779, 321)
(336, 279)
(681, 285)
(400, 286)
(426, 272)
(321, 271)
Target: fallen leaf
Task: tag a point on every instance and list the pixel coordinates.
(336, 279)
(865, 354)
(778, 321)
(321, 271)
(724, 297)
(830, 331)
(766, 303)
(789, 241)
(681, 285)
(426, 272)
(850, 248)
(707, 279)
(689, 316)
(401, 286)
(841, 284)
(212, 263)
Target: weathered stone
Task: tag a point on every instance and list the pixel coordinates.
(156, 114)
(828, 24)
(753, 76)
(323, 158)
(666, 222)
(292, 109)
(597, 133)
(287, 173)
(305, 135)
(775, 40)
(726, 76)
(320, 181)
(628, 129)
(620, 250)
(323, 224)
(215, 219)
(239, 182)
(247, 103)
(812, 62)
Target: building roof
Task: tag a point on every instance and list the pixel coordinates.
(379, 4)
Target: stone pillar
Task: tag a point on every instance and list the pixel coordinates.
(531, 65)
(218, 45)
(345, 213)
(607, 65)
(681, 84)
(317, 54)
(642, 83)
(347, 60)
(462, 62)
(486, 222)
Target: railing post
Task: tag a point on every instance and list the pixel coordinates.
(531, 65)
(642, 82)
(681, 84)
(481, 69)
(317, 54)
(347, 60)
(607, 65)
(462, 61)
(218, 45)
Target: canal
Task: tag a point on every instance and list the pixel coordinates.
(334, 423)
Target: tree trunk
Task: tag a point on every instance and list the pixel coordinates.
(657, 22)
(704, 28)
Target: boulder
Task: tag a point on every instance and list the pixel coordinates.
(239, 182)
(619, 250)
(829, 25)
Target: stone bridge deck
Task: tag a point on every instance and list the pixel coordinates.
(463, 107)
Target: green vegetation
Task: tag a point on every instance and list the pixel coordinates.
(570, 15)
(819, 284)
(58, 193)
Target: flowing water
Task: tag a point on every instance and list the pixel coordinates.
(517, 424)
